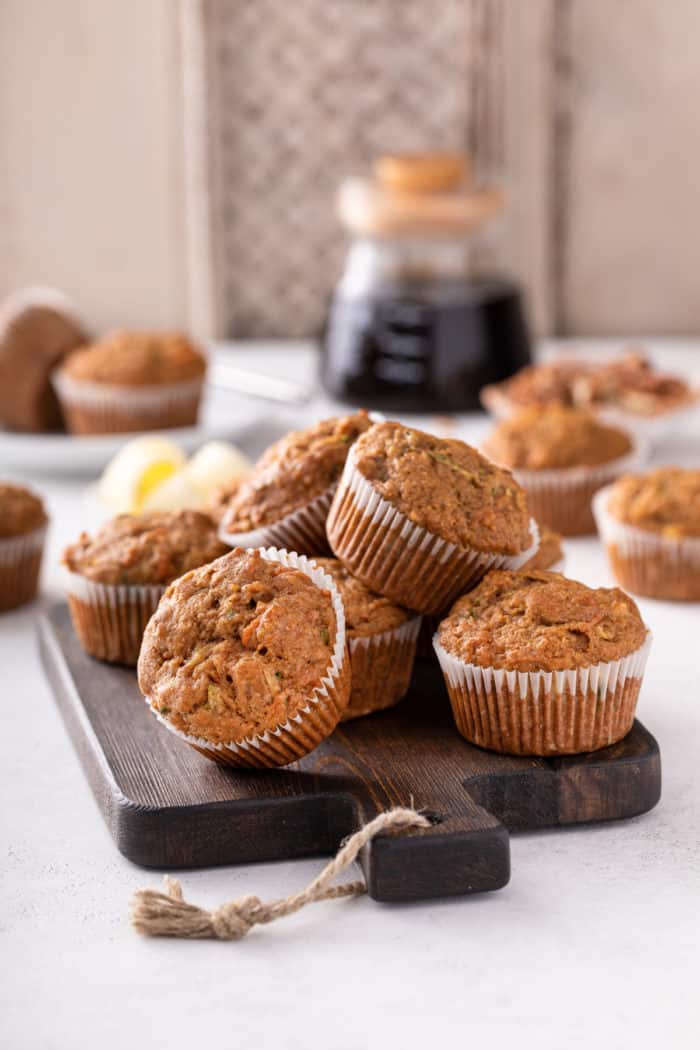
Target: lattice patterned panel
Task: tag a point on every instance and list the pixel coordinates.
(300, 94)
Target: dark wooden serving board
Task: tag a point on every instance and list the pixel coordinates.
(168, 807)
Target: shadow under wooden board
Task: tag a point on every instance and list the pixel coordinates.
(169, 807)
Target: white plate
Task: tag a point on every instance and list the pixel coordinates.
(223, 416)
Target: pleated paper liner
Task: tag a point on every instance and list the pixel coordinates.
(100, 408)
(20, 565)
(400, 560)
(110, 619)
(544, 712)
(381, 668)
(313, 722)
(647, 563)
(303, 530)
(562, 499)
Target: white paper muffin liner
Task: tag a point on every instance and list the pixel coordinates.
(109, 619)
(400, 560)
(313, 722)
(663, 426)
(381, 668)
(303, 531)
(104, 408)
(647, 563)
(561, 499)
(544, 712)
(20, 565)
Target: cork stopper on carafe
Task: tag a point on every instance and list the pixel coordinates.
(417, 194)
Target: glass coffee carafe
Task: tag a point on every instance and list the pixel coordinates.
(412, 324)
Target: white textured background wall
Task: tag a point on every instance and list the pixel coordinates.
(91, 172)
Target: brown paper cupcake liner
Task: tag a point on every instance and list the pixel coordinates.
(315, 721)
(400, 560)
(647, 563)
(381, 668)
(110, 619)
(303, 531)
(544, 712)
(98, 408)
(561, 499)
(20, 565)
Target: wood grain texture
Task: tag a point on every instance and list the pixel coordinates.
(169, 807)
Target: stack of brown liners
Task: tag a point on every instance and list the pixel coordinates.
(420, 520)
(246, 660)
(38, 327)
(537, 664)
(131, 381)
(115, 579)
(381, 642)
(561, 457)
(23, 523)
(284, 503)
(650, 525)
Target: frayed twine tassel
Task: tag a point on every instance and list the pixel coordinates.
(167, 914)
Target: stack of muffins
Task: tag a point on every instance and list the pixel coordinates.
(254, 656)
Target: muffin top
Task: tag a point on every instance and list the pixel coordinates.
(666, 501)
(126, 358)
(445, 486)
(549, 552)
(555, 437)
(20, 511)
(151, 548)
(532, 621)
(295, 470)
(237, 647)
(366, 613)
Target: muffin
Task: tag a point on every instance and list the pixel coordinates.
(23, 523)
(381, 642)
(561, 457)
(285, 501)
(246, 660)
(420, 520)
(537, 664)
(37, 329)
(130, 381)
(115, 579)
(650, 525)
(549, 556)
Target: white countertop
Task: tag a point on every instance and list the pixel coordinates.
(594, 943)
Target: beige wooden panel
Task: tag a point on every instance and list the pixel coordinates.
(632, 233)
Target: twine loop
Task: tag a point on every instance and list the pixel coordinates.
(157, 913)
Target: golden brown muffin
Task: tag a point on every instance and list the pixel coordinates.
(23, 522)
(116, 578)
(137, 359)
(650, 524)
(420, 520)
(501, 643)
(561, 456)
(555, 438)
(236, 655)
(381, 640)
(154, 547)
(132, 381)
(294, 471)
(549, 552)
(37, 331)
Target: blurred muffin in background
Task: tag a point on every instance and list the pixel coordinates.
(650, 525)
(131, 381)
(23, 523)
(561, 456)
(550, 553)
(38, 328)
